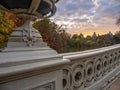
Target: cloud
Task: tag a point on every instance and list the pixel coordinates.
(74, 7)
(109, 8)
(115, 1)
(87, 13)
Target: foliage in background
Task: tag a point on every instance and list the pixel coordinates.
(80, 43)
(49, 31)
(118, 21)
(8, 22)
(61, 41)
(55, 36)
(117, 37)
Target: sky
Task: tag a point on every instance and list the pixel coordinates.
(87, 16)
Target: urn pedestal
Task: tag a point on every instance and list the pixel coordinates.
(27, 63)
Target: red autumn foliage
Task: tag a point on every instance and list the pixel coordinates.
(49, 33)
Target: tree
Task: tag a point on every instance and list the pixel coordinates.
(49, 33)
(7, 25)
(94, 36)
(118, 21)
(81, 35)
(88, 37)
(117, 37)
(75, 36)
(117, 34)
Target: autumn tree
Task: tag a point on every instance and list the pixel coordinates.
(50, 35)
(118, 21)
(8, 22)
(117, 37)
(117, 34)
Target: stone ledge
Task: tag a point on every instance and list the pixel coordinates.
(17, 72)
(90, 53)
(20, 64)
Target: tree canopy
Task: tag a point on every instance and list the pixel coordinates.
(56, 39)
(8, 23)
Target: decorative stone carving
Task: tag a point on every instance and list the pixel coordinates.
(98, 68)
(88, 70)
(67, 78)
(29, 10)
(48, 86)
(78, 75)
(105, 64)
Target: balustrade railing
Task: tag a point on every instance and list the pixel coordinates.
(89, 68)
(46, 70)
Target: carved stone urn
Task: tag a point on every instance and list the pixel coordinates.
(30, 10)
(27, 63)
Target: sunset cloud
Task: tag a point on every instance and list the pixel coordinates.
(86, 14)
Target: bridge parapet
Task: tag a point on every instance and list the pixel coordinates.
(42, 70)
(91, 70)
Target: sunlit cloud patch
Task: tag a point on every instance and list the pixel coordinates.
(79, 15)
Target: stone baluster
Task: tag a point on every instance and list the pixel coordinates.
(86, 70)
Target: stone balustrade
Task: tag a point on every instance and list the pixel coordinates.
(44, 69)
(91, 70)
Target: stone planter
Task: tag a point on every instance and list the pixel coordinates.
(31, 7)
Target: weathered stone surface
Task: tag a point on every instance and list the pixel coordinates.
(91, 70)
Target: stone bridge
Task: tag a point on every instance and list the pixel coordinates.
(44, 69)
